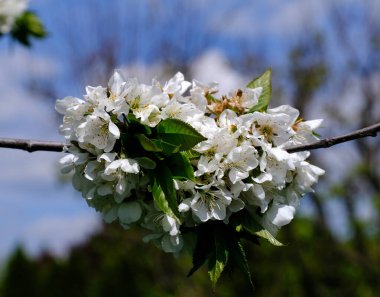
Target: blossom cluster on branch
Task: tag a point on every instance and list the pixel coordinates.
(188, 165)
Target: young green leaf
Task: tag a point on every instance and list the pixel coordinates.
(252, 225)
(165, 180)
(146, 162)
(238, 257)
(148, 144)
(245, 222)
(264, 81)
(166, 147)
(160, 199)
(180, 166)
(263, 233)
(191, 154)
(179, 133)
(218, 258)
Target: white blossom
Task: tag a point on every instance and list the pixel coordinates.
(241, 165)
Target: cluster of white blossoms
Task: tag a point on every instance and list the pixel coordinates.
(173, 157)
(9, 11)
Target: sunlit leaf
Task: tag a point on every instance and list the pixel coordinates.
(268, 236)
(179, 133)
(148, 144)
(218, 258)
(160, 199)
(264, 81)
(164, 179)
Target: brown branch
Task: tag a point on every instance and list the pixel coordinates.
(328, 142)
(51, 146)
(32, 145)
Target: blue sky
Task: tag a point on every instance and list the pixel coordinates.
(40, 211)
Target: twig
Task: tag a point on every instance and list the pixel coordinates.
(32, 145)
(51, 146)
(325, 143)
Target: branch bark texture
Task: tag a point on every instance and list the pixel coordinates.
(328, 142)
(52, 146)
(32, 145)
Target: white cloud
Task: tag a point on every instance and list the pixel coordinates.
(145, 73)
(274, 17)
(212, 66)
(20, 167)
(22, 114)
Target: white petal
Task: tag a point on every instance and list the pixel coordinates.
(116, 82)
(280, 214)
(236, 175)
(200, 210)
(89, 171)
(67, 163)
(262, 178)
(170, 225)
(236, 205)
(114, 130)
(108, 157)
(112, 167)
(130, 166)
(219, 210)
(185, 205)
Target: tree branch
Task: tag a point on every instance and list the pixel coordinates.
(32, 145)
(52, 146)
(328, 142)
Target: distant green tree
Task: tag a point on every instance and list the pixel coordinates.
(21, 278)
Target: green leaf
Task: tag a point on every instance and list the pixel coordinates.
(148, 144)
(136, 126)
(218, 258)
(180, 166)
(166, 147)
(160, 199)
(191, 154)
(203, 247)
(239, 258)
(164, 179)
(264, 81)
(27, 25)
(179, 133)
(244, 221)
(263, 233)
(146, 162)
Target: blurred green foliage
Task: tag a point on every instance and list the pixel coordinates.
(28, 26)
(116, 263)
